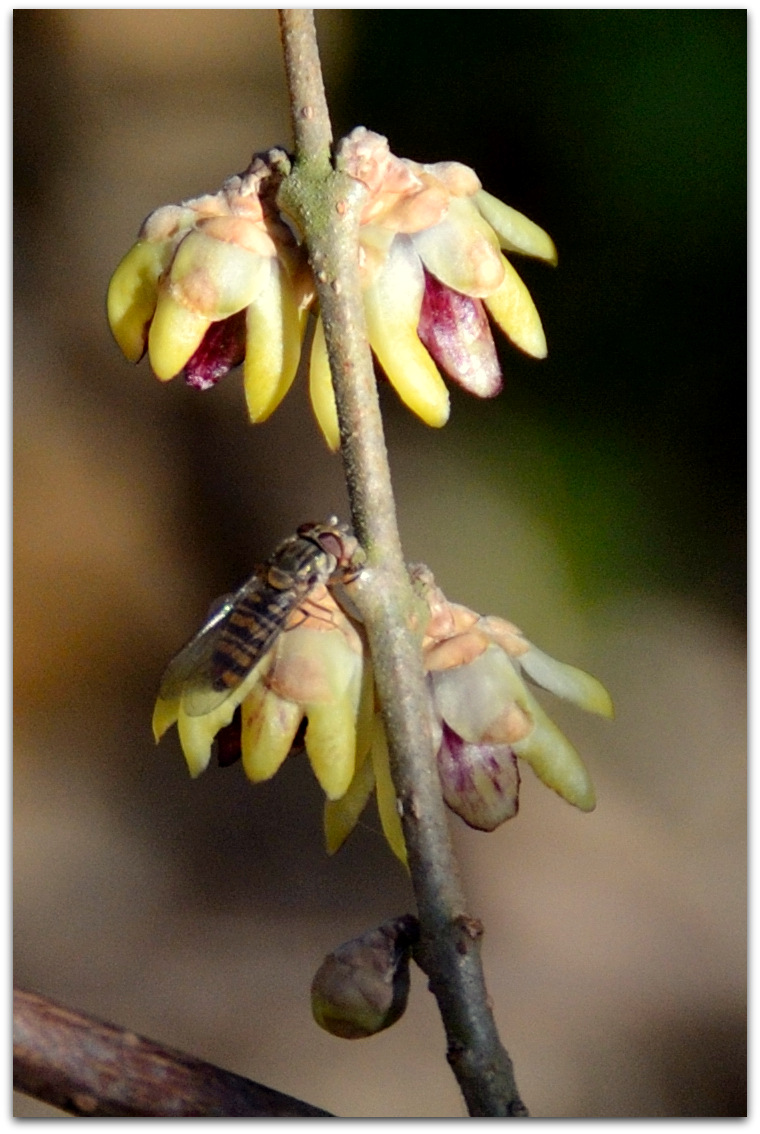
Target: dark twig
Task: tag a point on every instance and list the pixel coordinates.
(96, 1070)
(326, 204)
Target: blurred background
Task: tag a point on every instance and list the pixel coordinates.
(599, 502)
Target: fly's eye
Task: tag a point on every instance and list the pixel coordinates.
(332, 544)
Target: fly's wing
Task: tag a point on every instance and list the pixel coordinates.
(195, 656)
(221, 656)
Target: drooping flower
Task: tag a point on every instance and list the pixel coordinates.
(314, 670)
(318, 669)
(223, 279)
(214, 282)
(432, 245)
(488, 717)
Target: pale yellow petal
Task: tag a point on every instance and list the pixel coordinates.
(515, 232)
(392, 307)
(462, 251)
(175, 335)
(342, 815)
(568, 682)
(132, 295)
(386, 793)
(321, 390)
(269, 725)
(554, 760)
(331, 745)
(165, 714)
(196, 734)
(513, 309)
(274, 330)
(215, 278)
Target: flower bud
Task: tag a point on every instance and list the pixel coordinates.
(362, 987)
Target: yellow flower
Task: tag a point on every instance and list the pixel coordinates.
(314, 670)
(432, 245)
(223, 279)
(487, 716)
(214, 282)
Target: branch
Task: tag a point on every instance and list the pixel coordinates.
(326, 203)
(96, 1070)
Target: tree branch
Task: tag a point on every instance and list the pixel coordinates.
(96, 1070)
(326, 204)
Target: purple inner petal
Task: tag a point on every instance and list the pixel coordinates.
(223, 347)
(456, 332)
(480, 782)
(228, 742)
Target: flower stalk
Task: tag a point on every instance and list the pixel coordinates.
(324, 202)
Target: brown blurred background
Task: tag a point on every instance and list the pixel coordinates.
(599, 502)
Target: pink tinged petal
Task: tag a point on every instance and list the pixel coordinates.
(480, 782)
(567, 682)
(459, 179)
(513, 309)
(132, 295)
(462, 251)
(484, 700)
(455, 330)
(223, 347)
(321, 390)
(554, 760)
(392, 305)
(214, 278)
(273, 343)
(515, 232)
(387, 804)
(269, 727)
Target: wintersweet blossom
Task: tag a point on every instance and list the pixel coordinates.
(223, 280)
(217, 281)
(318, 668)
(488, 718)
(432, 263)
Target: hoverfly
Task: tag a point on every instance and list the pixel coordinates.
(246, 624)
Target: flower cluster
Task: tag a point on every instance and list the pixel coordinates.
(319, 668)
(224, 279)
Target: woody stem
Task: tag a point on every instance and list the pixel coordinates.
(326, 204)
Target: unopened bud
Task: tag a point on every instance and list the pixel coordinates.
(362, 987)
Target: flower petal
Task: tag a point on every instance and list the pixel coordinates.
(269, 727)
(455, 330)
(392, 305)
(222, 347)
(331, 745)
(165, 714)
(483, 700)
(480, 782)
(132, 295)
(515, 232)
(342, 815)
(554, 760)
(462, 251)
(568, 682)
(387, 806)
(321, 390)
(175, 335)
(215, 278)
(515, 312)
(274, 329)
(197, 734)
